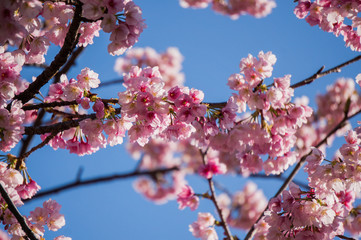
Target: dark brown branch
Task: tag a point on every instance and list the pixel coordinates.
(91, 20)
(298, 166)
(70, 63)
(59, 60)
(48, 105)
(60, 104)
(43, 65)
(59, 127)
(79, 183)
(26, 141)
(40, 145)
(279, 177)
(62, 126)
(111, 82)
(344, 237)
(321, 73)
(17, 214)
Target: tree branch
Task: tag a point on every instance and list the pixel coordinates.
(111, 82)
(40, 145)
(279, 177)
(26, 141)
(223, 222)
(42, 65)
(344, 237)
(340, 125)
(62, 126)
(321, 73)
(70, 63)
(59, 60)
(61, 104)
(17, 214)
(79, 183)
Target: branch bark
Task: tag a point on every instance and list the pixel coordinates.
(17, 214)
(321, 73)
(61, 126)
(79, 183)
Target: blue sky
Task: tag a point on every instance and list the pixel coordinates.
(212, 46)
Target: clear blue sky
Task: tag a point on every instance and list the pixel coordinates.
(212, 45)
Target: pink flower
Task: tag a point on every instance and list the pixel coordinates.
(211, 168)
(3, 236)
(39, 216)
(195, 3)
(55, 221)
(62, 238)
(72, 91)
(186, 198)
(358, 78)
(203, 227)
(98, 107)
(88, 79)
(28, 190)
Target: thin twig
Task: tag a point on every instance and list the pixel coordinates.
(79, 183)
(321, 73)
(26, 141)
(223, 222)
(17, 214)
(40, 145)
(111, 82)
(222, 188)
(279, 177)
(219, 210)
(298, 166)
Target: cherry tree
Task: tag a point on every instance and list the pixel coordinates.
(260, 130)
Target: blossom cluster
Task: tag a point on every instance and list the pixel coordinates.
(203, 228)
(234, 8)
(89, 136)
(12, 119)
(33, 25)
(270, 129)
(187, 198)
(11, 126)
(18, 189)
(326, 210)
(168, 62)
(301, 215)
(154, 155)
(157, 112)
(339, 17)
(341, 98)
(120, 17)
(245, 207)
